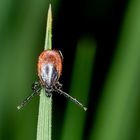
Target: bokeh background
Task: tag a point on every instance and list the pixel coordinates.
(100, 42)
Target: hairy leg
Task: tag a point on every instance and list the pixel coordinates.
(36, 87)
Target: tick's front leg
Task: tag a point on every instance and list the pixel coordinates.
(59, 85)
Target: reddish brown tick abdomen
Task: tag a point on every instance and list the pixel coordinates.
(51, 60)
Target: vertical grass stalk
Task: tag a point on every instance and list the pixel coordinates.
(119, 107)
(45, 104)
(74, 120)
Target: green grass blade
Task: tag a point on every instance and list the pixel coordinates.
(74, 119)
(48, 39)
(118, 111)
(45, 105)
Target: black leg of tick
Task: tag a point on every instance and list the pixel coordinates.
(58, 85)
(36, 87)
(70, 97)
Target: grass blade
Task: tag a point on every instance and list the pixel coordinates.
(45, 105)
(74, 120)
(119, 107)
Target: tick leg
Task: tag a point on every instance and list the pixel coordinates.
(59, 85)
(36, 91)
(70, 97)
(36, 87)
(61, 55)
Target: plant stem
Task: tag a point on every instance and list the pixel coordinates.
(45, 105)
(48, 39)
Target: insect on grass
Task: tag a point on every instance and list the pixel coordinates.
(49, 71)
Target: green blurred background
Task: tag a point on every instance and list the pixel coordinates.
(100, 41)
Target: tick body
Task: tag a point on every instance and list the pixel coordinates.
(49, 70)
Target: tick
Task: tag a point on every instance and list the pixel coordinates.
(49, 70)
